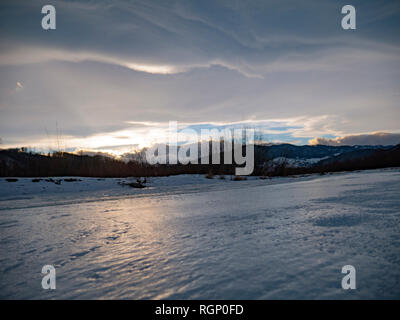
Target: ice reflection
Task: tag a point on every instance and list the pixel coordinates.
(256, 242)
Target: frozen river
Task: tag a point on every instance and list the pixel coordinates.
(193, 238)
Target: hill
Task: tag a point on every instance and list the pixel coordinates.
(270, 160)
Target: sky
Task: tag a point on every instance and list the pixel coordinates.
(113, 74)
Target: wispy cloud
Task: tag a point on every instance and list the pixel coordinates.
(165, 38)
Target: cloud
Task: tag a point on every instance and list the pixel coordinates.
(135, 65)
(23, 55)
(157, 37)
(377, 138)
(144, 134)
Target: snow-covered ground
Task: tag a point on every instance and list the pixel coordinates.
(296, 162)
(188, 237)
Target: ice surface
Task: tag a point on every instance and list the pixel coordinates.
(187, 237)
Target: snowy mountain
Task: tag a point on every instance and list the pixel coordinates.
(306, 156)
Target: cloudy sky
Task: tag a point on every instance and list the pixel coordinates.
(113, 73)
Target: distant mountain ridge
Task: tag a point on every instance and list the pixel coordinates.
(310, 151)
(286, 159)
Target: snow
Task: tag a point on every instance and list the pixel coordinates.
(188, 237)
(25, 194)
(297, 162)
